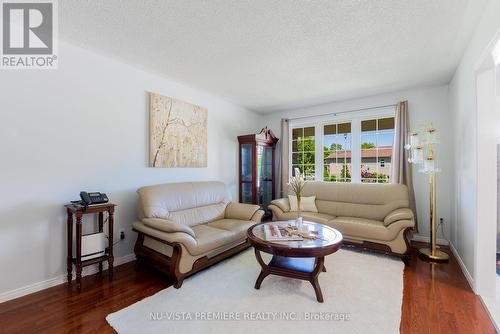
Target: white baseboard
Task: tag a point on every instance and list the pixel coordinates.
(425, 238)
(467, 275)
(38, 286)
(26, 290)
(492, 307)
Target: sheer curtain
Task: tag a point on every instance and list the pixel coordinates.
(283, 159)
(401, 169)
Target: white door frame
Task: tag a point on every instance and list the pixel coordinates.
(487, 138)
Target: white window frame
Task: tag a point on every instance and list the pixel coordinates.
(318, 122)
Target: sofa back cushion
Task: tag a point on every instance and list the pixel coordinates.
(188, 203)
(371, 201)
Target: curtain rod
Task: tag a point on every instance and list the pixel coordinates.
(343, 112)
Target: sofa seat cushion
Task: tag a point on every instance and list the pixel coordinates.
(317, 217)
(280, 215)
(368, 228)
(359, 227)
(237, 226)
(209, 238)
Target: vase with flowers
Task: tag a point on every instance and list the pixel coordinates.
(297, 183)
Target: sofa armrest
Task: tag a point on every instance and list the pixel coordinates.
(276, 211)
(257, 216)
(170, 238)
(167, 226)
(398, 214)
(240, 211)
(282, 203)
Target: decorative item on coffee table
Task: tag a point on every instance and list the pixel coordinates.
(297, 183)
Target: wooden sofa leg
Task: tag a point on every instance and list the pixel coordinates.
(166, 264)
(174, 266)
(178, 282)
(137, 249)
(407, 237)
(138, 263)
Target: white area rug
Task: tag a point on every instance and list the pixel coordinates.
(365, 290)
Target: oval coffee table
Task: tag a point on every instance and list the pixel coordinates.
(295, 259)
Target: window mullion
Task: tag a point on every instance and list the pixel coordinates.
(356, 150)
(318, 161)
(377, 145)
(290, 153)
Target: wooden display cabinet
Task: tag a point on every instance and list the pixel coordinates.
(257, 168)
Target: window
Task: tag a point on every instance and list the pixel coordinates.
(303, 151)
(337, 146)
(377, 137)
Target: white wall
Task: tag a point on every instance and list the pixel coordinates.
(85, 127)
(426, 105)
(489, 123)
(463, 108)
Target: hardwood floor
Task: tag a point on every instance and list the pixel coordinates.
(437, 299)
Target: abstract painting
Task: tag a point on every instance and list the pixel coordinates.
(178, 133)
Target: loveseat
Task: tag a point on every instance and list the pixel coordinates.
(185, 227)
(371, 216)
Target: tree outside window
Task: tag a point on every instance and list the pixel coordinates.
(303, 151)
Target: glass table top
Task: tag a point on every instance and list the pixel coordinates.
(325, 235)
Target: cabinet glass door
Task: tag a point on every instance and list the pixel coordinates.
(246, 173)
(264, 176)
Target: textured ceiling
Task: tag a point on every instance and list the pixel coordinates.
(269, 55)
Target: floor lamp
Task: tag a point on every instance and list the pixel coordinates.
(422, 152)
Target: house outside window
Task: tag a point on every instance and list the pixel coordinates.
(377, 140)
(337, 145)
(358, 148)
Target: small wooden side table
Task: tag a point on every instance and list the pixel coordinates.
(78, 211)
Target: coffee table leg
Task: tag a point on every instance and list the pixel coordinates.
(264, 272)
(320, 266)
(324, 267)
(261, 277)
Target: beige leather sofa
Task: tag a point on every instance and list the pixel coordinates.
(185, 227)
(372, 216)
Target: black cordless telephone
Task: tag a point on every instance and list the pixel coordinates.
(93, 198)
